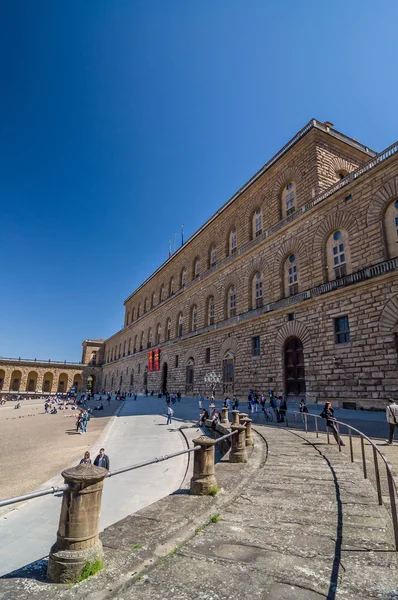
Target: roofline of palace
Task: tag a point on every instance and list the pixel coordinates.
(312, 124)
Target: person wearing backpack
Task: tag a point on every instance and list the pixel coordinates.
(392, 418)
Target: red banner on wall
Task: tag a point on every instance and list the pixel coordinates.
(150, 360)
(156, 364)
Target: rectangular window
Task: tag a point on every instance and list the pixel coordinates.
(207, 355)
(139, 369)
(290, 317)
(256, 345)
(342, 330)
(132, 379)
(293, 289)
(176, 361)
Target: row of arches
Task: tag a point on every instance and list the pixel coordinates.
(34, 383)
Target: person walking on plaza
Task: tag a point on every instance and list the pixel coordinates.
(282, 409)
(102, 460)
(392, 418)
(328, 414)
(200, 401)
(86, 460)
(85, 419)
(170, 413)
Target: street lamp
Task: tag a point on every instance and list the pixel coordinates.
(212, 379)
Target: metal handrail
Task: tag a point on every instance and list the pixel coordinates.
(392, 480)
(227, 435)
(63, 487)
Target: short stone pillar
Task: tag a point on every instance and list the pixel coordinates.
(204, 479)
(238, 445)
(224, 418)
(235, 417)
(249, 436)
(77, 537)
(242, 417)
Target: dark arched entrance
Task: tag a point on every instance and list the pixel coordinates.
(164, 377)
(189, 376)
(294, 367)
(228, 373)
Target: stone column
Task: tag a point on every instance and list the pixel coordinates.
(243, 417)
(77, 537)
(238, 445)
(224, 418)
(249, 437)
(203, 480)
(235, 417)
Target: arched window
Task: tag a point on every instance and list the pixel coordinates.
(289, 199)
(153, 299)
(142, 341)
(171, 286)
(145, 305)
(135, 344)
(196, 268)
(168, 329)
(138, 311)
(194, 318)
(231, 302)
(391, 229)
(257, 223)
(149, 338)
(133, 315)
(124, 348)
(337, 254)
(120, 350)
(291, 275)
(161, 293)
(158, 333)
(183, 278)
(257, 290)
(180, 324)
(129, 347)
(213, 256)
(233, 241)
(128, 318)
(341, 174)
(210, 311)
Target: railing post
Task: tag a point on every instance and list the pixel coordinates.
(327, 431)
(338, 435)
(238, 445)
(365, 475)
(242, 417)
(77, 537)
(377, 474)
(248, 433)
(203, 480)
(235, 417)
(351, 449)
(393, 504)
(224, 418)
(306, 422)
(316, 427)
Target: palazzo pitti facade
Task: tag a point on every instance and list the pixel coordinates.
(291, 285)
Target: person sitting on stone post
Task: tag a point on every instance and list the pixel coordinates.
(215, 420)
(204, 415)
(328, 414)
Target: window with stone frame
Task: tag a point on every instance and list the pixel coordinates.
(197, 268)
(257, 223)
(139, 368)
(142, 341)
(194, 318)
(161, 293)
(124, 348)
(207, 355)
(158, 334)
(120, 350)
(231, 302)
(138, 311)
(153, 299)
(149, 338)
(257, 290)
(183, 278)
(341, 330)
(129, 348)
(128, 318)
(233, 241)
(291, 275)
(288, 199)
(135, 345)
(213, 256)
(337, 255)
(171, 287)
(256, 345)
(391, 228)
(133, 315)
(176, 361)
(180, 325)
(168, 329)
(131, 379)
(210, 311)
(145, 305)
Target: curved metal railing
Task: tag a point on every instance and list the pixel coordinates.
(392, 479)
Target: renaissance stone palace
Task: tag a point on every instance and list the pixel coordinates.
(292, 285)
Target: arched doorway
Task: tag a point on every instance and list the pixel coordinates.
(16, 381)
(77, 382)
(2, 378)
(47, 382)
(294, 367)
(31, 382)
(90, 383)
(189, 376)
(228, 373)
(62, 383)
(164, 377)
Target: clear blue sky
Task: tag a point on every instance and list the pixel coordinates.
(122, 119)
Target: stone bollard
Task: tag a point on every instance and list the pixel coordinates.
(77, 537)
(224, 418)
(249, 437)
(235, 417)
(238, 445)
(203, 480)
(242, 417)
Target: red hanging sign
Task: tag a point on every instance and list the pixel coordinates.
(156, 365)
(150, 361)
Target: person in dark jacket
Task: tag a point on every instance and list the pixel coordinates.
(102, 460)
(328, 414)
